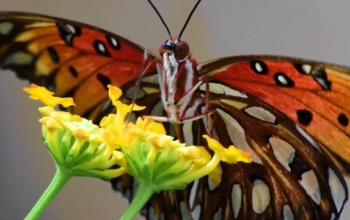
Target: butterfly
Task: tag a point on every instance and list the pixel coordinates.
(291, 114)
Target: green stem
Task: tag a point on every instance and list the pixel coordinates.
(57, 183)
(143, 194)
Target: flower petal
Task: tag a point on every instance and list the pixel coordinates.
(114, 93)
(46, 97)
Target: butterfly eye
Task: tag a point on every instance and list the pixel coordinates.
(182, 50)
(168, 46)
(162, 49)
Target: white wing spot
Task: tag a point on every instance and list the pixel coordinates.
(310, 184)
(101, 48)
(134, 92)
(333, 216)
(283, 151)
(157, 109)
(196, 213)
(282, 79)
(306, 68)
(261, 196)
(258, 67)
(236, 199)
(114, 42)
(152, 214)
(220, 89)
(151, 79)
(185, 213)
(337, 189)
(218, 215)
(287, 213)
(18, 58)
(187, 131)
(308, 137)
(6, 27)
(193, 193)
(71, 28)
(237, 134)
(261, 113)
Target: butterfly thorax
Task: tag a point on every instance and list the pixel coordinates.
(178, 80)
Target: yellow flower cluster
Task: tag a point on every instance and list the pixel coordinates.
(141, 149)
(75, 143)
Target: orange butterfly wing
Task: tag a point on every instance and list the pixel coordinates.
(71, 58)
(315, 95)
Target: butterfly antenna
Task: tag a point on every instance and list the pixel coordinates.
(160, 17)
(189, 18)
(137, 84)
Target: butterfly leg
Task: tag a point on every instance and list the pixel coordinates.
(178, 114)
(144, 69)
(206, 114)
(198, 116)
(183, 120)
(208, 128)
(189, 119)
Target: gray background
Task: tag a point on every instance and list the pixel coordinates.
(310, 29)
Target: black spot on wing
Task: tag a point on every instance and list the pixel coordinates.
(304, 117)
(73, 71)
(104, 80)
(259, 67)
(343, 119)
(298, 167)
(53, 55)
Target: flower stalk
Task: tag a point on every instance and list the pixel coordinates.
(58, 182)
(143, 193)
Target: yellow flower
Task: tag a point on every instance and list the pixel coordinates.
(230, 155)
(46, 97)
(150, 125)
(141, 149)
(207, 165)
(75, 143)
(122, 109)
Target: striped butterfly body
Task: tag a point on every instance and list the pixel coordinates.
(290, 114)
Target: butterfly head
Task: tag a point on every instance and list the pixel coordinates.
(175, 47)
(178, 80)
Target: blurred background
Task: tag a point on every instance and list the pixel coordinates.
(309, 29)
